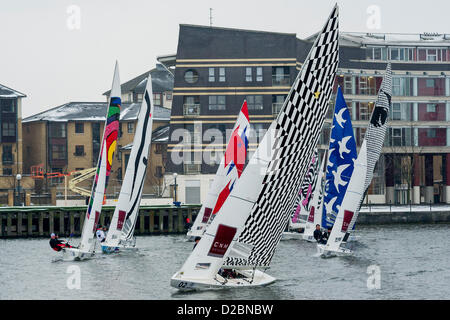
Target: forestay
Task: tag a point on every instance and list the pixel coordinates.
(126, 212)
(364, 166)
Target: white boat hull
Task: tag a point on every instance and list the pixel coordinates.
(74, 254)
(259, 279)
(107, 249)
(326, 253)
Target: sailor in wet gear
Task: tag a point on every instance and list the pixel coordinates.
(100, 233)
(197, 239)
(325, 236)
(317, 233)
(57, 244)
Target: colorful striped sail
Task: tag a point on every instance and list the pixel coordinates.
(104, 165)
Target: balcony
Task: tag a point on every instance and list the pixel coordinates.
(191, 110)
(281, 80)
(276, 108)
(79, 154)
(192, 168)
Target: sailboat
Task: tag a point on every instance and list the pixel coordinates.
(229, 171)
(243, 236)
(362, 174)
(297, 222)
(315, 211)
(123, 222)
(87, 245)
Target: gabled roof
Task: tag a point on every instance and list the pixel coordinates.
(162, 80)
(94, 111)
(6, 92)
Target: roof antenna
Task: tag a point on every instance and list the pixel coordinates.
(210, 17)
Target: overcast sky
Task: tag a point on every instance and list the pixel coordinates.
(45, 55)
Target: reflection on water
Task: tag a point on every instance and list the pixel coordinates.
(413, 260)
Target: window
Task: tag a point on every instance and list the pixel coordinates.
(8, 129)
(431, 133)
(79, 127)
(365, 110)
(140, 96)
(191, 106)
(168, 95)
(401, 86)
(79, 151)
(277, 103)
(158, 172)
(216, 102)
(191, 76)
(248, 74)
(222, 74)
(57, 130)
(157, 99)
(429, 83)
(58, 152)
(255, 102)
(158, 148)
(130, 127)
(211, 75)
(8, 105)
(376, 53)
(119, 153)
(431, 55)
(396, 137)
(280, 76)
(7, 155)
(7, 171)
(431, 107)
(396, 111)
(259, 74)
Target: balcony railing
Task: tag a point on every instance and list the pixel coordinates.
(191, 110)
(79, 154)
(281, 80)
(276, 108)
(192, 168)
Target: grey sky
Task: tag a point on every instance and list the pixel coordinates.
(41, 57)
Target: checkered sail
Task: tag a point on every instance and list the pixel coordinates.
(297, 129)
(364, 165)
(249, 226)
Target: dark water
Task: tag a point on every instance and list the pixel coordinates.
(414, 262)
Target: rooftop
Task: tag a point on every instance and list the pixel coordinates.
(160, 135)
(162, 80)
(6, 92)
(397, 39)
(93, 111)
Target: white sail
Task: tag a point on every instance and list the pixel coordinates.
(260, 205)
(228, 172)
(106, 155)
(126, 212)
(364, 166)
(315, 213)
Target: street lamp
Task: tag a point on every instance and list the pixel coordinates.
(175, 185)
(18, 178)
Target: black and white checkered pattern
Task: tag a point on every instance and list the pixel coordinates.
(297, 132)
